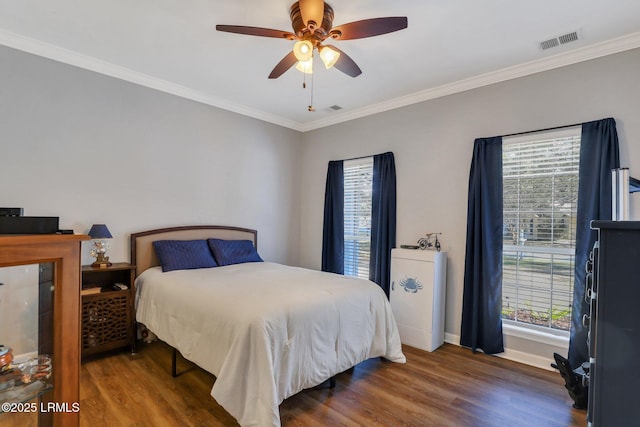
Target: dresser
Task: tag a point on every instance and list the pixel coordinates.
(614, 325)
(55, 331)
(417, 296)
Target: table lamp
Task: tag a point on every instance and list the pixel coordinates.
(99, 232)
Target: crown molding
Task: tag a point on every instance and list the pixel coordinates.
(46, 50)
(597, 50)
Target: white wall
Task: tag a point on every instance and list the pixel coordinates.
(433, 142)
(92, 149)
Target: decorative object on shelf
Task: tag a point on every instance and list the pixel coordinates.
(409, 247)
(9, 375)
(17, 374)
(6, 357)
(40, 367)
(430, 242)
(99, 232)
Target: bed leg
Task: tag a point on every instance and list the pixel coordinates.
(174, 369)
(332, 382)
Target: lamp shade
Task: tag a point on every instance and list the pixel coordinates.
(303, 50)
(329, 56)
(100, 231)
(305, 66)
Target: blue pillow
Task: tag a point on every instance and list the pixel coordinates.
(183, 254)
(229, 252)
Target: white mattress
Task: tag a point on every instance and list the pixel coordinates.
(267, 331)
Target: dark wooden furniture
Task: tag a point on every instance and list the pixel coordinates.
(62, 253)
(108, 319)
(614, 326)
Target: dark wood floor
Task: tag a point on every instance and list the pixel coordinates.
(449, 387)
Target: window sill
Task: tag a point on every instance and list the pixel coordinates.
(559, 339)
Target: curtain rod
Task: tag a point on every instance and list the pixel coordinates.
(354, 158)
(362, 157)
(542, 130)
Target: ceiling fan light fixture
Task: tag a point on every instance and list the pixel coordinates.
(303, 50)
(329, 56)
(305, 66)
(312, 23)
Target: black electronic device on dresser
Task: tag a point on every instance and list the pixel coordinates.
(613, 289)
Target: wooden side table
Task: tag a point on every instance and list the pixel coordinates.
(108, 319)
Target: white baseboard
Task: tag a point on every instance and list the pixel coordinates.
(528, 359)
(452, 339)
(514, 355)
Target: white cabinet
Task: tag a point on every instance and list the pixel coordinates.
(418, 285)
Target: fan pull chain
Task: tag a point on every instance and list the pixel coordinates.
(311, 107)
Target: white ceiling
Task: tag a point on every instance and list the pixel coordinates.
(449, 46)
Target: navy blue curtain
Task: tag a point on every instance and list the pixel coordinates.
(383, 219)
(599, 154)
(482, 295)
(333, 228)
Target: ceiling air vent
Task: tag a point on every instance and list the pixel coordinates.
(557, 41)
(336, 107)
(568, 38)
(548, 44)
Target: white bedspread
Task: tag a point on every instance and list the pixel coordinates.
(267, 331)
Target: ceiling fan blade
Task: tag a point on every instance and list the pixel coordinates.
(311, 10)
(346, 64)
(286, 63)
(256, 31)
(370, 27)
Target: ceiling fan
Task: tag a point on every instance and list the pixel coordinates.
(312, 22)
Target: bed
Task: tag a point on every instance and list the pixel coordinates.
(265, 331)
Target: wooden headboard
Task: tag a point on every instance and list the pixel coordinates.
(143, 256)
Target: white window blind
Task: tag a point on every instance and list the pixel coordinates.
(358, 177)
(540, 194)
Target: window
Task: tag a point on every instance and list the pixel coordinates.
(358, 180)
(540, 193)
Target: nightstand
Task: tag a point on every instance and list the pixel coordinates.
(108, 319)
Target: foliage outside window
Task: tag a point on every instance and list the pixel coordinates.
(358, 180)
(540, 193)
